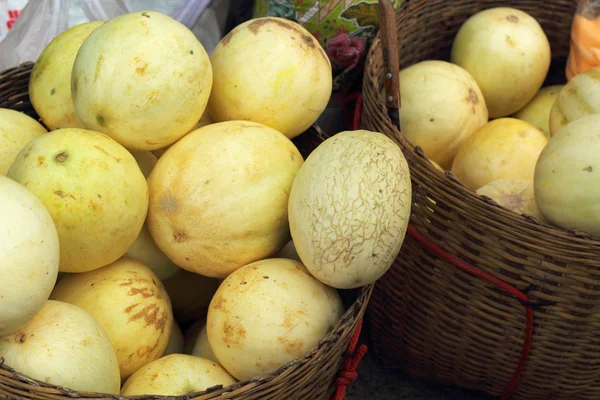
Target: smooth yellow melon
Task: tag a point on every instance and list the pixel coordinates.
(508, 54)
(142, 78)
(50, 82)
(130, 302)
(537, 112)
(16, 130)
(442, 105)
(267, 314)
(567, 184)
(64, 345)
(505, 148)
(94, 190)
(29, 255)
(218, 197)
(271, 71)
(176, 375)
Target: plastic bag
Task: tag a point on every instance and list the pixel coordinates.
(40, 21)
(585, 38)
(9, 11)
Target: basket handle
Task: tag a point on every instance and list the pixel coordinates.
(391, 59)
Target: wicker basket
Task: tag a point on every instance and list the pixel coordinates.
(481, 294)
(312, 377)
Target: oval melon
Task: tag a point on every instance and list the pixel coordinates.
(455, 108)
(349, 208)
(508, 54)
(16, 130)
(505, 148)
(29, 255)
(567, 176)
(537, 112)
(271, 71)
(218, 197)
(176, 375)
(50, 82)
(267, 314)
(142, 78)
(130, 302)
(64, 345)
(94, 190)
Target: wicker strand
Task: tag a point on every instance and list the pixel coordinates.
(348, 374)
(520, 295)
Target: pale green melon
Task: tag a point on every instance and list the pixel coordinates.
(579, 97)
(349, 208)
(567, 176)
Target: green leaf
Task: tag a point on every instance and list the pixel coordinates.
(365, 14)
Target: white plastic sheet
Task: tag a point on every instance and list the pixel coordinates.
(40, 21)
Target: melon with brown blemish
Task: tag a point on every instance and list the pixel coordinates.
(130, 302)
(144, 248)
(442, 105)
(94, 190)
(508, 54)
(218, 197)
(272, 71)
(176, 375)
(142, 78)
(269, 313)
(64, 345)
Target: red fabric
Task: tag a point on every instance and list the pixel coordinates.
(348, 375)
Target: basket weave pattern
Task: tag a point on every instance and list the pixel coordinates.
(436, 321)
(307, 378)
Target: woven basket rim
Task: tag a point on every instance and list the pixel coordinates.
(350, 315)
(448, 180)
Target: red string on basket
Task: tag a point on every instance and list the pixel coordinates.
(522, 297)
(348, 374)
